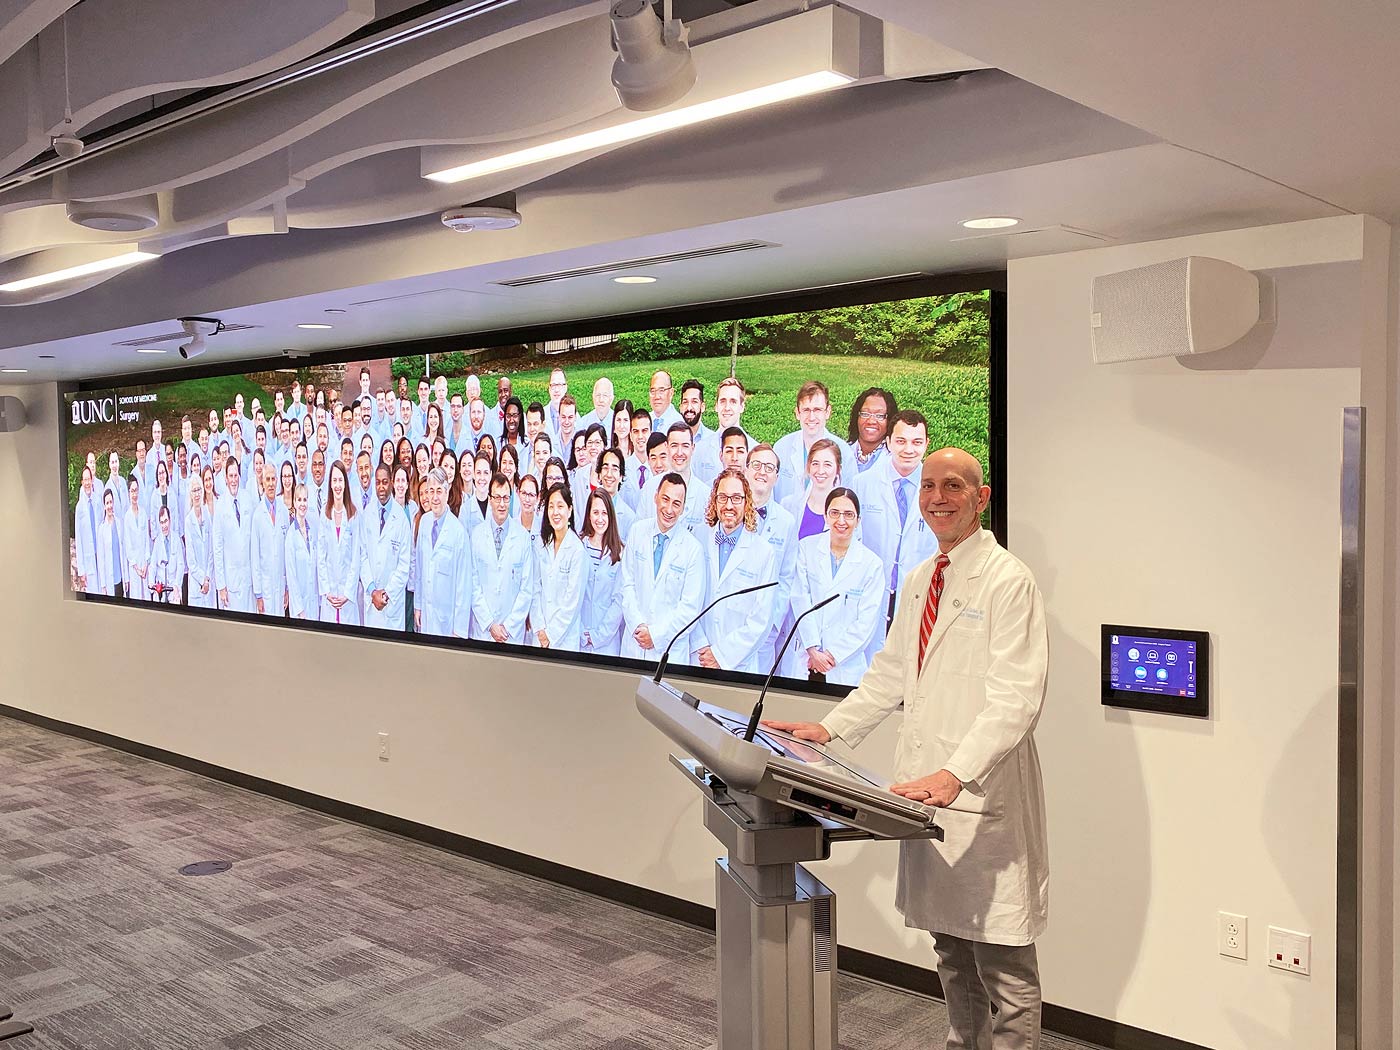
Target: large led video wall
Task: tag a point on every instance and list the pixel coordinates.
(582, 498)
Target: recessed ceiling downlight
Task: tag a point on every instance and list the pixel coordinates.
(315, 327)
(634, 278)
(991, 222)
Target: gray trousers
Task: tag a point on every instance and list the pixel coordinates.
(977, 977)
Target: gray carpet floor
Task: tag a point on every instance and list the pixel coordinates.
(325, 935)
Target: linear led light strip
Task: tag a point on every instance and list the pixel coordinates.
(809, 84)
(116, 262)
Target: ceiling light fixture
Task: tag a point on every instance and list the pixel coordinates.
(150, 350)
(654, 66)
(14, 371)
(69, 273)
(634, 278)
(315, 327)
(991, 222)
(629, 131)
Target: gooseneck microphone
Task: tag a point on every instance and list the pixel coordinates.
(758, 707)
(661, 667)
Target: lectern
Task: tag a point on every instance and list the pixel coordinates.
(775, 802)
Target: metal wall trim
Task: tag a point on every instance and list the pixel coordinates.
(1350, 621)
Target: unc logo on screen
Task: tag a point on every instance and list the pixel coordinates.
(94, 410)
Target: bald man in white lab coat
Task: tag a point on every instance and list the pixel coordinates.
(966, 657)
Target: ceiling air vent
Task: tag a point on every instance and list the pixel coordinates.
(182, 335)
(636, 264)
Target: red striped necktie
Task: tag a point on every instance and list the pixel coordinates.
(935, 592)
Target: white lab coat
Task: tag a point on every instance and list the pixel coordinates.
(269, 556)
(779, 531)
(387, 555)
(299, 550)
(111, 568)
(792, 463)
(338, 568)
(664, 600)
(471, 515)
(443, 589)
(735, 629)
(843, 628)
(638, 474)
(136, 548)
(199, 559)
(560, 576)
(899, 548)
(600, 616)
(705, 462)
(166, 567)
(971, 710)
(87, 517)
(505, 585)
(233, 555)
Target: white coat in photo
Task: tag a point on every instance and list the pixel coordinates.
(338, 568)
(600, 616)
(165, 568)
(843, 628)
(199, 559)
(778, 529)
(900, 547)
(387, 553)
(665, 599)
(86, 518)
(505, 582)
(269, 556)
(559, 580)
(111, 560)
(442, 593)
(136, 547)
(233, 555)
(299, 550)
(735, 630)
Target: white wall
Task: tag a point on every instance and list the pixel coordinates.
(1201, 496)
(1149, 493)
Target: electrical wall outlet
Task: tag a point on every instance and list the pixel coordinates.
(1290, 950)
(383, 747)
(1232, 935)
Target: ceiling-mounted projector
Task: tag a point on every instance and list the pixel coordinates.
(480, 217)
(654, 66)
(199, 329)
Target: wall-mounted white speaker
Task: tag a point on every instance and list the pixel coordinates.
(12, 416)
(1184, 306)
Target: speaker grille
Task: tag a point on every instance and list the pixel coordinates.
(1142, 313)
(821, 935)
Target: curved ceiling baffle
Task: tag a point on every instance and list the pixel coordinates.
(229, 173)
(337, 150)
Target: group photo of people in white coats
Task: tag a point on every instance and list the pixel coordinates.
(603, 528)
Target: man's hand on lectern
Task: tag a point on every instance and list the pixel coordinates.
(937, 789)
(813, 731)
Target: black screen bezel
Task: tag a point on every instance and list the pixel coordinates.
(1194, 707)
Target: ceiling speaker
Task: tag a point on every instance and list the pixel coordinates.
(1184, 306)
(12, 416)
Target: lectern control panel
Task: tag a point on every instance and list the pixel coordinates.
(781, 768)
